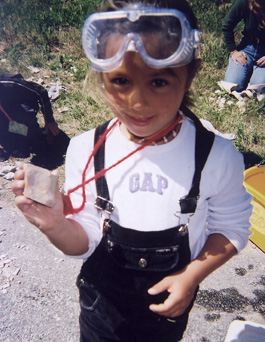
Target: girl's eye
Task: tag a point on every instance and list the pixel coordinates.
(159, 83)
(119, 81)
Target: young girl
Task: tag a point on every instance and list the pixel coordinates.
(148, 222)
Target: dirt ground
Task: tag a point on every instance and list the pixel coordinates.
(39, 300)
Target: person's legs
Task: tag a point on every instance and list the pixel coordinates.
(239, 74)
(258, 79)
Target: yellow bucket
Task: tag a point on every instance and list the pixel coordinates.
(255, 185)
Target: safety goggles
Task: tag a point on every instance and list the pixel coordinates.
(163, 37)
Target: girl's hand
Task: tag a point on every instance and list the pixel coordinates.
(181, 290)
(261, 62)
(182, 285)
(239, 57)
(65, 234)
(39, 215)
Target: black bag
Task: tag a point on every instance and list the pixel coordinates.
(20, 102)
(20, 133)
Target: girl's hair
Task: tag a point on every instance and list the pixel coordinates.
(181, 5)
(258, 8)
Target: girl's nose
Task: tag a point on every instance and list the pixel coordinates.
(138, 99)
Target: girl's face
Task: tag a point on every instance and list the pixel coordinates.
(145, 100)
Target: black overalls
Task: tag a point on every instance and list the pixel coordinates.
(113, 282)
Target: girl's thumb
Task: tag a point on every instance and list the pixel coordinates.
(158, 288)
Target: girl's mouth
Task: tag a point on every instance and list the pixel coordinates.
(141, 122)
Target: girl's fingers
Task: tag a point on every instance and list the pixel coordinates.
(30, 210)
(18, 187)
(171, 307)
(20, 174)
(23, 203)
(159, 287)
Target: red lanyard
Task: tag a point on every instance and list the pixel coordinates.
(68, 208)
(2, 109)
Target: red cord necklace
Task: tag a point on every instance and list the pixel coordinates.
(68, 208)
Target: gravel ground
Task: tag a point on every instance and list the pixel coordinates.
(39, 300)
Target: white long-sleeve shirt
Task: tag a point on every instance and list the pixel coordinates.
(145, 188)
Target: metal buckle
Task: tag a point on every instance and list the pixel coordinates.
(104, 204)
(183, 230)
(106, 226)
(188, 205)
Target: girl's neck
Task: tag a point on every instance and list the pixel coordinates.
(169, 136)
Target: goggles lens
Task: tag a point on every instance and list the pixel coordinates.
(160, 37)
(163, 37)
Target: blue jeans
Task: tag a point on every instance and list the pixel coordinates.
(242, 75)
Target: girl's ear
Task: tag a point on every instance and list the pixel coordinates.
(193, 68)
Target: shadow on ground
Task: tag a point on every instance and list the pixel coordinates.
(251, 159)
(48, 153)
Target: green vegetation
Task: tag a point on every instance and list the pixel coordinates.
(41, 21)
(46, 35)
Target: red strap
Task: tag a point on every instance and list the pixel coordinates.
(2, 109)
(68, 205)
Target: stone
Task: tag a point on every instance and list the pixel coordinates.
(9, 176)
(16, 272)
(7, 168)
(40, 185)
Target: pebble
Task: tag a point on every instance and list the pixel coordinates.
(21, 246)
(5, 286)
(16, 272)
(3, 256)
(241, 104)
(9, 176)
(64, 109)
(34, 70)
(7, 168)
(40, 81)
(59, 260)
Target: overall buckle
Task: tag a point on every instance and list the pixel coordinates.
(104, 204)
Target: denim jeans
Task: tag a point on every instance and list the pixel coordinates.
(113, 286)
(242, 75)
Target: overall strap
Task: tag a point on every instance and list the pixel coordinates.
(103, 199)
(203, 145)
